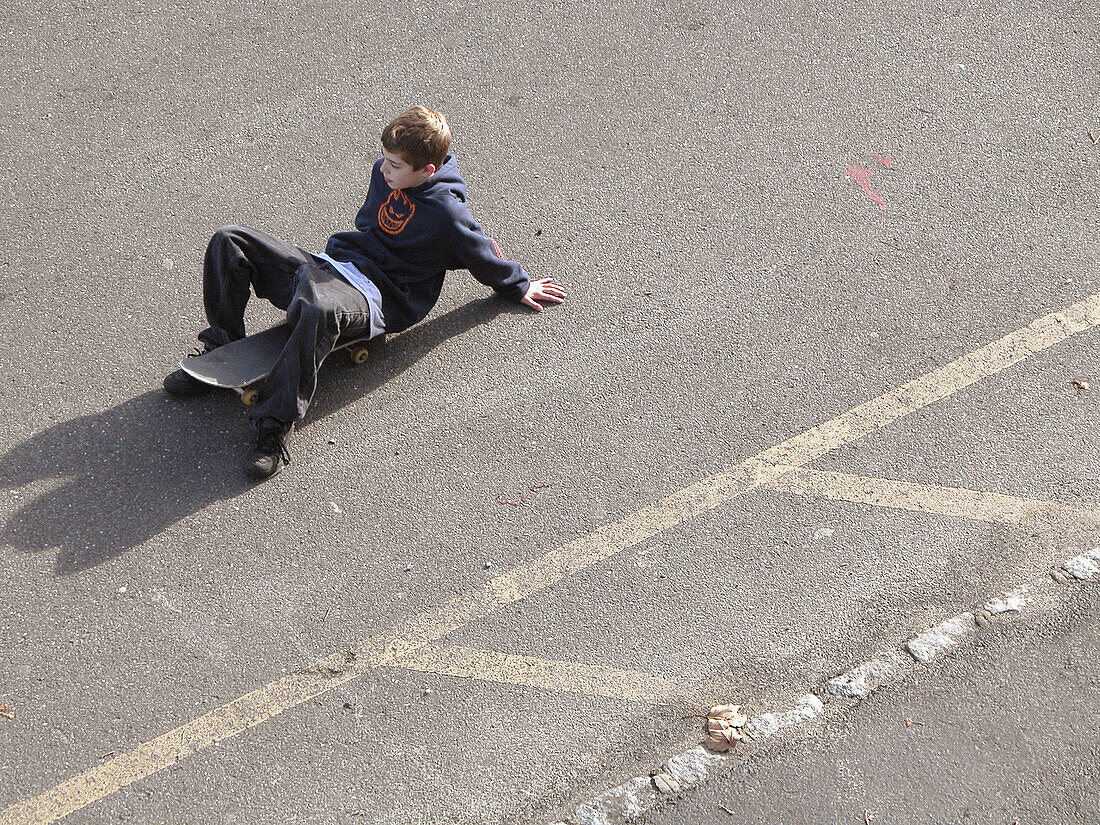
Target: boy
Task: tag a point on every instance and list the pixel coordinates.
(383, 277)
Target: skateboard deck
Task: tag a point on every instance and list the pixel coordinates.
(240, 364)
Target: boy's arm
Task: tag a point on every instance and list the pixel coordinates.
(477, 252)
(481, 255)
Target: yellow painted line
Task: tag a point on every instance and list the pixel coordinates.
(1037, 336)
(928, 498)
(564, 677)
(527, 579)
(169, 748)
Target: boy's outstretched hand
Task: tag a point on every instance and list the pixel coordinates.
(544, 289)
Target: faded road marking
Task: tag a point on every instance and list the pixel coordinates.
(991, 359)
(169, 748)
(525, 580)
(929, 498)
(862, 178)
(565, 677)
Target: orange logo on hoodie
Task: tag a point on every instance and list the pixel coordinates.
(394, 215)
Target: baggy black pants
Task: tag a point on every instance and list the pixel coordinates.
(321, 307)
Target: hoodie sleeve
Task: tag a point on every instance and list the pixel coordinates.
(472, 249)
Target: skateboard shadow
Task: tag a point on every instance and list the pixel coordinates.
(102, 484)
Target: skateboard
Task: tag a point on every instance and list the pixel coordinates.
(241, 364)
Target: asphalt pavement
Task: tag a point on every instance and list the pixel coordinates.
(516, 554)
(1004, 730)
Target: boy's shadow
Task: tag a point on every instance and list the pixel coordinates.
(124, 475)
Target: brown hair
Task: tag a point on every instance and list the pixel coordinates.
(419, 135)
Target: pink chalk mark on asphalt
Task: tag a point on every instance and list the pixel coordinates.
(862, 178)
(883, 159)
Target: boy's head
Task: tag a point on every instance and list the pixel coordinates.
(415, 144)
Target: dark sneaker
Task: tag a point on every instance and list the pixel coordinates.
(270, 454)
(183, 385)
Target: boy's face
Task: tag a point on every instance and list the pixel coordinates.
(400, 174)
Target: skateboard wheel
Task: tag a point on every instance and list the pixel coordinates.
(358, 355)
(248, 397)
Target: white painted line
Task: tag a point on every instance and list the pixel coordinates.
(865, 678)
(937, 639)
(1013, 601)
(769, 724)
(856, 684)
(618, 805)
(693, 766)
(1085, 566)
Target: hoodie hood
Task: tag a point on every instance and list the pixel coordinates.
(446, 182)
